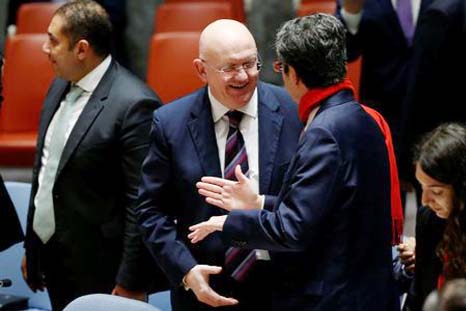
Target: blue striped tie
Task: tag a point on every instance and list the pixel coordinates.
(238, 261)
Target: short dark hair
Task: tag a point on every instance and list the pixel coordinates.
(86, 19)
(315, 46)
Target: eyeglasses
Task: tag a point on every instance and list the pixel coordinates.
(251, 67)
(279, 67)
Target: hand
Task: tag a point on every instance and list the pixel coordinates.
(123, 292)
(197, 279)
(203, 229)
(407, 254)
(33, 286)
(228, 194)
(353, 6)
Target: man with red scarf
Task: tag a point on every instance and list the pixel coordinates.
(329, 230)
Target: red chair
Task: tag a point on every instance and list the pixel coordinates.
(237, 5)
(27, 76)
(193, 16)
(170, 70)
(35, 17)
(311, 7)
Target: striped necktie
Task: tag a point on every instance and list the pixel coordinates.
(238, 261)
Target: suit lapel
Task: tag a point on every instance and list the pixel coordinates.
(270, 125)
(51, 104)
(201, 128)
(90, 112)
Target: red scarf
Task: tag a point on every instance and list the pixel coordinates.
(314, 97)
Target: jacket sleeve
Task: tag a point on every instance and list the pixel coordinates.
(301, 208)
(137, 270)
(154, 212)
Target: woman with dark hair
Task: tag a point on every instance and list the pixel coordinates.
(441, 224)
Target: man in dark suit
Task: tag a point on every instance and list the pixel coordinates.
(10, 228)
(330, 225)
(436, 81)
(94, 133)
(189, 140)
(376, 33)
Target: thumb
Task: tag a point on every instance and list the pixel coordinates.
(213, 269)
(239, 175)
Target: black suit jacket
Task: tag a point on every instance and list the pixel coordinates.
(436, 89)
(429, 233)
(96, 183)
(10, 228)
(386, 59)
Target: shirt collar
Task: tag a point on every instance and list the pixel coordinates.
(219, 110)
(90, 81)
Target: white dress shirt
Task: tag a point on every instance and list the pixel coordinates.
(352, 20)
(249, 128)
(88, 83)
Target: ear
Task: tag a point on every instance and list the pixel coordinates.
(199, 66)
(293, 75)
(82, 49)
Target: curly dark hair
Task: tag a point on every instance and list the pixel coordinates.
(442, 155)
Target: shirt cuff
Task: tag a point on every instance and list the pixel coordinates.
(262, 198)
(352, 20)
(184, 284)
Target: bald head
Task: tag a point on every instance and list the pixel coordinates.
(225, 36)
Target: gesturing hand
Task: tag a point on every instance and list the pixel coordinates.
(228, 194)
(197, 279)
(203, 229)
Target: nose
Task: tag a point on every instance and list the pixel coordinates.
(240, 73)
(46, 47)
(426, 198)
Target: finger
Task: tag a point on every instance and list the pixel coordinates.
(217, 203)
(216, 181)
(210, 194)
(212, 269)
(239, 175)
(209, 187)
(198, 235)
(215, 300)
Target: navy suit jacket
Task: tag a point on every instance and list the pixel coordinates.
(330, 228)
(386, 59)
(183, 150)
(96, 185)
(437, 80)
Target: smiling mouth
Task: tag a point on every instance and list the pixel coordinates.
(239, 87)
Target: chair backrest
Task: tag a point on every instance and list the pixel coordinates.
(170, 70)
(10, 259)
(27, 77)
(189, 16)
(320, 6)
(35, 17)
(237, 5)
(103, 302)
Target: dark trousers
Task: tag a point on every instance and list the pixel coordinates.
(63, 283)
